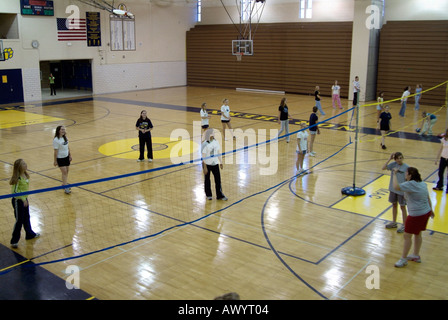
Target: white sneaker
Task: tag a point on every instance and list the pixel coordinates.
(149, 160)
(401, 263)
(313, 154)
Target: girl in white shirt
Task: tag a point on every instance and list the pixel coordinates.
(204, 117)
(225, 118)
(335, 94)
(302, 146)
(404, 98)
(62, 156)
(442, 159)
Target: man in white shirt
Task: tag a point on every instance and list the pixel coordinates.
(356, 90)
(211, 162)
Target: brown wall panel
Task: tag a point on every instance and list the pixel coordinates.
(291, 57)
(413, 52)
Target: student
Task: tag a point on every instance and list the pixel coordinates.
(356, 91)
(52, 85)
(418, 90)
(379, 106)
(283, 119)
(211, 162)
(442, 160)
(314, 129)
(396, 197)
(420, 210)
(62, 155)
(317, 100)
(144, 127)
(428, 121)
(302, 146)
(225, 118)
(204, 117)
(404, 98)
(384, 124)
(20, 183)
(336, 89)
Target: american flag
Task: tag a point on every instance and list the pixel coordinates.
(71, 29)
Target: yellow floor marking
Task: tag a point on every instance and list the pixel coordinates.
(376, 201)
(13, 118)
(163, 148)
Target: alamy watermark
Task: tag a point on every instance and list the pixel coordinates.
(250, 145)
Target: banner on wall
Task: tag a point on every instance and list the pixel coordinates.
(71, 29)
(93, 29)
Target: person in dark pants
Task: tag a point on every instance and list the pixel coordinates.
(144, 127)
(212, 162)
(52, 85)
(20, 183)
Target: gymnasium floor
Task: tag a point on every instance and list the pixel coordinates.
(151, 234)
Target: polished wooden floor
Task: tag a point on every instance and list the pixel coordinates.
(153, 235)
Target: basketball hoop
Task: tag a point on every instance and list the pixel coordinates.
(239, 56)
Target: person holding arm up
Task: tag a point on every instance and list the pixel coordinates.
(419, 209)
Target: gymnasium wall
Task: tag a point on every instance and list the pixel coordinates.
(290, 57)
(413, 52)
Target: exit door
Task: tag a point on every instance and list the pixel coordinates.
(11, 87)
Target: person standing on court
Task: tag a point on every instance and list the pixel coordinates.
(418, 95)
(144, 127)
(404, 99)
(204, 117)
(356, 90)
(442, 160)
(380, 100)
(302, 146)
(335, 96)
(314, 129)
(52, 85)
(397, 197)
(419, 209)
(62, 155)
(225, 118)
(211, 162)
(317, 100)
(283, 119)
(20, 183)
(384, 124)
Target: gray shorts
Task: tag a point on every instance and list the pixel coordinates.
(394, 198)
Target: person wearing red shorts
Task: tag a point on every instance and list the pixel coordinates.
(419, 211)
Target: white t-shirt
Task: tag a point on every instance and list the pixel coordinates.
(445, 148)
(225, 111)
(356, 87)
(335, 89)
(405, 95)
(62, 146)
(210, 149)
(204, 113)
(303, 136)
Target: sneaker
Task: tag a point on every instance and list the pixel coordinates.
(438, 189)
(140, 160)
(413, 257)
(400, 230)
(383, 146)
(14, 245)
(313, 154)
(401, 263)
(37, 235)
(209, 198)
(391, 225)
(149, 160)
(223, 198)
(67, 190)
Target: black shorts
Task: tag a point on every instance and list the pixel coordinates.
(205, 126)
(63, 162)
(225, 121)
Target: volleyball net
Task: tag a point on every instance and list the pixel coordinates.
(131, 208)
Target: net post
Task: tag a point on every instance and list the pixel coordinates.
(354, 191)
